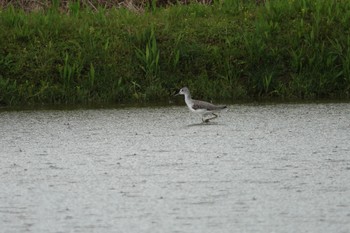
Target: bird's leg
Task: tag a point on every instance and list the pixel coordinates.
(215, 116)
(207, 120)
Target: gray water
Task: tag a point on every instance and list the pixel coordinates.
(270, 168)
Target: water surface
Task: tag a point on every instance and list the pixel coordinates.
(270, 168)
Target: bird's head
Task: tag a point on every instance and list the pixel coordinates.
(183, 91)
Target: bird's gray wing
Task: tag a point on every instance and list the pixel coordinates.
(198, 104)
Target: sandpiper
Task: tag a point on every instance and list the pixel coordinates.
(201, 107)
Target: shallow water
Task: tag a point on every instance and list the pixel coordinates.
(270, 168)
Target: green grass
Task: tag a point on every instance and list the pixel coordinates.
(284, 49)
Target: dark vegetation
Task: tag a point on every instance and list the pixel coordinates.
(79, 52)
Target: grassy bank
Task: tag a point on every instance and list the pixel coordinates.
(227, 50)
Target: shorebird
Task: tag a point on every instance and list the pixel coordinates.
(201, 107)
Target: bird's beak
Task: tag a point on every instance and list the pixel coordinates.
(177, 94)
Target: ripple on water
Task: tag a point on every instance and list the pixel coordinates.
(256, 168)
